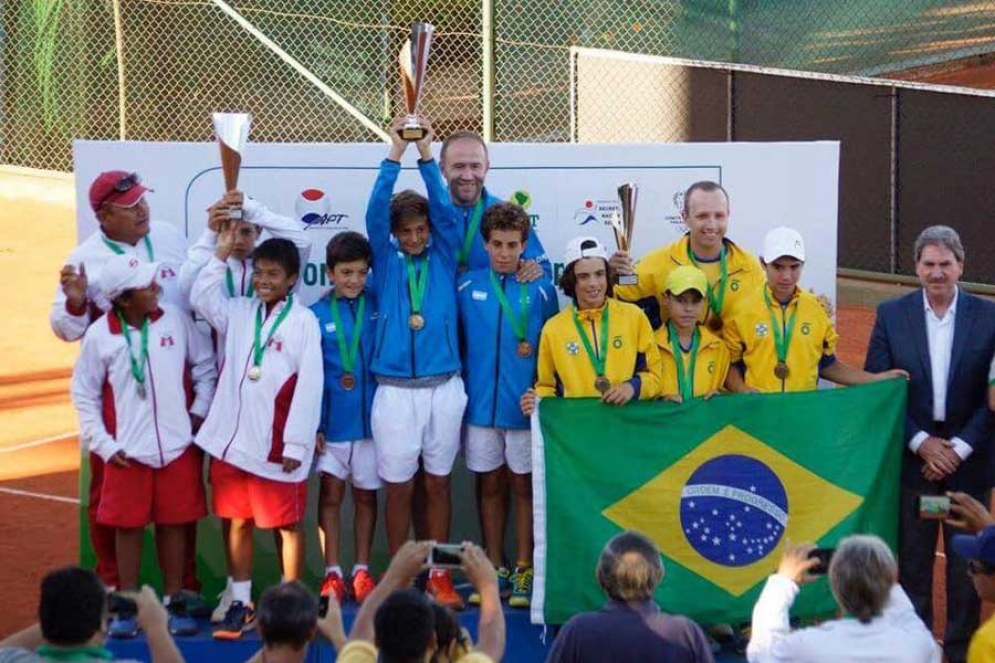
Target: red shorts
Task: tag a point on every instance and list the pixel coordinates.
(236, 493)
(138, 495)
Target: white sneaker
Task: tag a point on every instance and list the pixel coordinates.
(224, 602)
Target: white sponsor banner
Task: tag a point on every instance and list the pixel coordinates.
(568, 189)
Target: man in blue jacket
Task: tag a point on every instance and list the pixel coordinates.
(464, 162)
(504, 318)
(418, 408)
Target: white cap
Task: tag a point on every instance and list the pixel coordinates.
(124, 272)
(781, 242)
(576, 250)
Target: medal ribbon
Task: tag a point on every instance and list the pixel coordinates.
(597, 361)
(417, 281)
(780, 342)
(119, 251)
(471, 231)
(351, 352)
(230, 280)
(259, 348)
(137, 365)
(519, 323)
(685, 381)
(715, 300)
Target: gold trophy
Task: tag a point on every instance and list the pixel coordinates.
(414, 62)
(624, 223)
(232, 131)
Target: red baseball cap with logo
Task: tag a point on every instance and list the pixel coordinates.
(117, 187)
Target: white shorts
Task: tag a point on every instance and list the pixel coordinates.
(357, 459)
(421, 422)
(487, 449)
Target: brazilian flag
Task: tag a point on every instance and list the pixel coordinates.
(721, 486)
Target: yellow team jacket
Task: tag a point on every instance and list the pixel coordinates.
(563, 365)
(751, 340)
(745, 275)
(710, 369)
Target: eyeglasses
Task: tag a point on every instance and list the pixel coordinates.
(978, 568)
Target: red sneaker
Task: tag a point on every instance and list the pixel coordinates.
(362, 585)
(334, 585)
(440, 588)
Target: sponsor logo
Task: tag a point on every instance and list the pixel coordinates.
(806, 328)
(523, 199)
(711, 367)
(617, 342)
(314, 209)
(673, 215)
(596, 211)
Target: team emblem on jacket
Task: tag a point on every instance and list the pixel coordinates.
(617, 342)
(166, 341)
(573, 348)
(761, 329)
(806, 328)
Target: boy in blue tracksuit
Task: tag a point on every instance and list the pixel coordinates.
(418, 408)
(464, 164)
(347, 316)
(504, 317)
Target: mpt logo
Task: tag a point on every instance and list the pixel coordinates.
(313, 208)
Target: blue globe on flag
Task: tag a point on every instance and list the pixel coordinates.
(734, 510)
(312, 206)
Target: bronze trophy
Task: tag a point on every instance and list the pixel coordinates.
(232, 131)
(414, 63)
(623, 224)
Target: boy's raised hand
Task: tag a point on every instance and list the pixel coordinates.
(397, 144)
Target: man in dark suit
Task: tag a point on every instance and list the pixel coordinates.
(944, 337)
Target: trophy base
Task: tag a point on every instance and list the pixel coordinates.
(412, 133)
(628, 279)
(235, 214)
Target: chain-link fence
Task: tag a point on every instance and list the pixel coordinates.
(326, 70)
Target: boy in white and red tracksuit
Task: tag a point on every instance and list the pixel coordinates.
(130, 388)
(261, 428)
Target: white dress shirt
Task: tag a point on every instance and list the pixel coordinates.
(940, 337)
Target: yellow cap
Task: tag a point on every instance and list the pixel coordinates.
(687, 277)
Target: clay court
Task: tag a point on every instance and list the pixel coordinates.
(39, 453)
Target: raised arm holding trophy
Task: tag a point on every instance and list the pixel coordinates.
(413, 59)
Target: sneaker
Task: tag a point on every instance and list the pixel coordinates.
(334, 585)
(361, 585)
(521, 587)
(180, 620)
(123, 626)
(197, 605)
(440, 588)
(504, 586)
(239, 619)
(224, 602)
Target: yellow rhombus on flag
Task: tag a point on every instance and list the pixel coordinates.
(726, 508)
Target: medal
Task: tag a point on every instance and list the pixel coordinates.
(137, 364)
(417, 282)
(715, 323)
(685, 378)
(348, 352)
(782, 340)
(599, 359)
(258, 346)
(519, 321)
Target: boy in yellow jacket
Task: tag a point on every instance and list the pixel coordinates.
(695, 360)
(598, 347)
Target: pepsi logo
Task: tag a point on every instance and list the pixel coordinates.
(311, 206)
(734, 510)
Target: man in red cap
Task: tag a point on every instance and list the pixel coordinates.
(117, 199)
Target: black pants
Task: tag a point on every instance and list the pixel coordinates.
(916, 556)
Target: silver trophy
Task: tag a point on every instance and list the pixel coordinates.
(414, 63)
(232, 130)
(623, 224)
